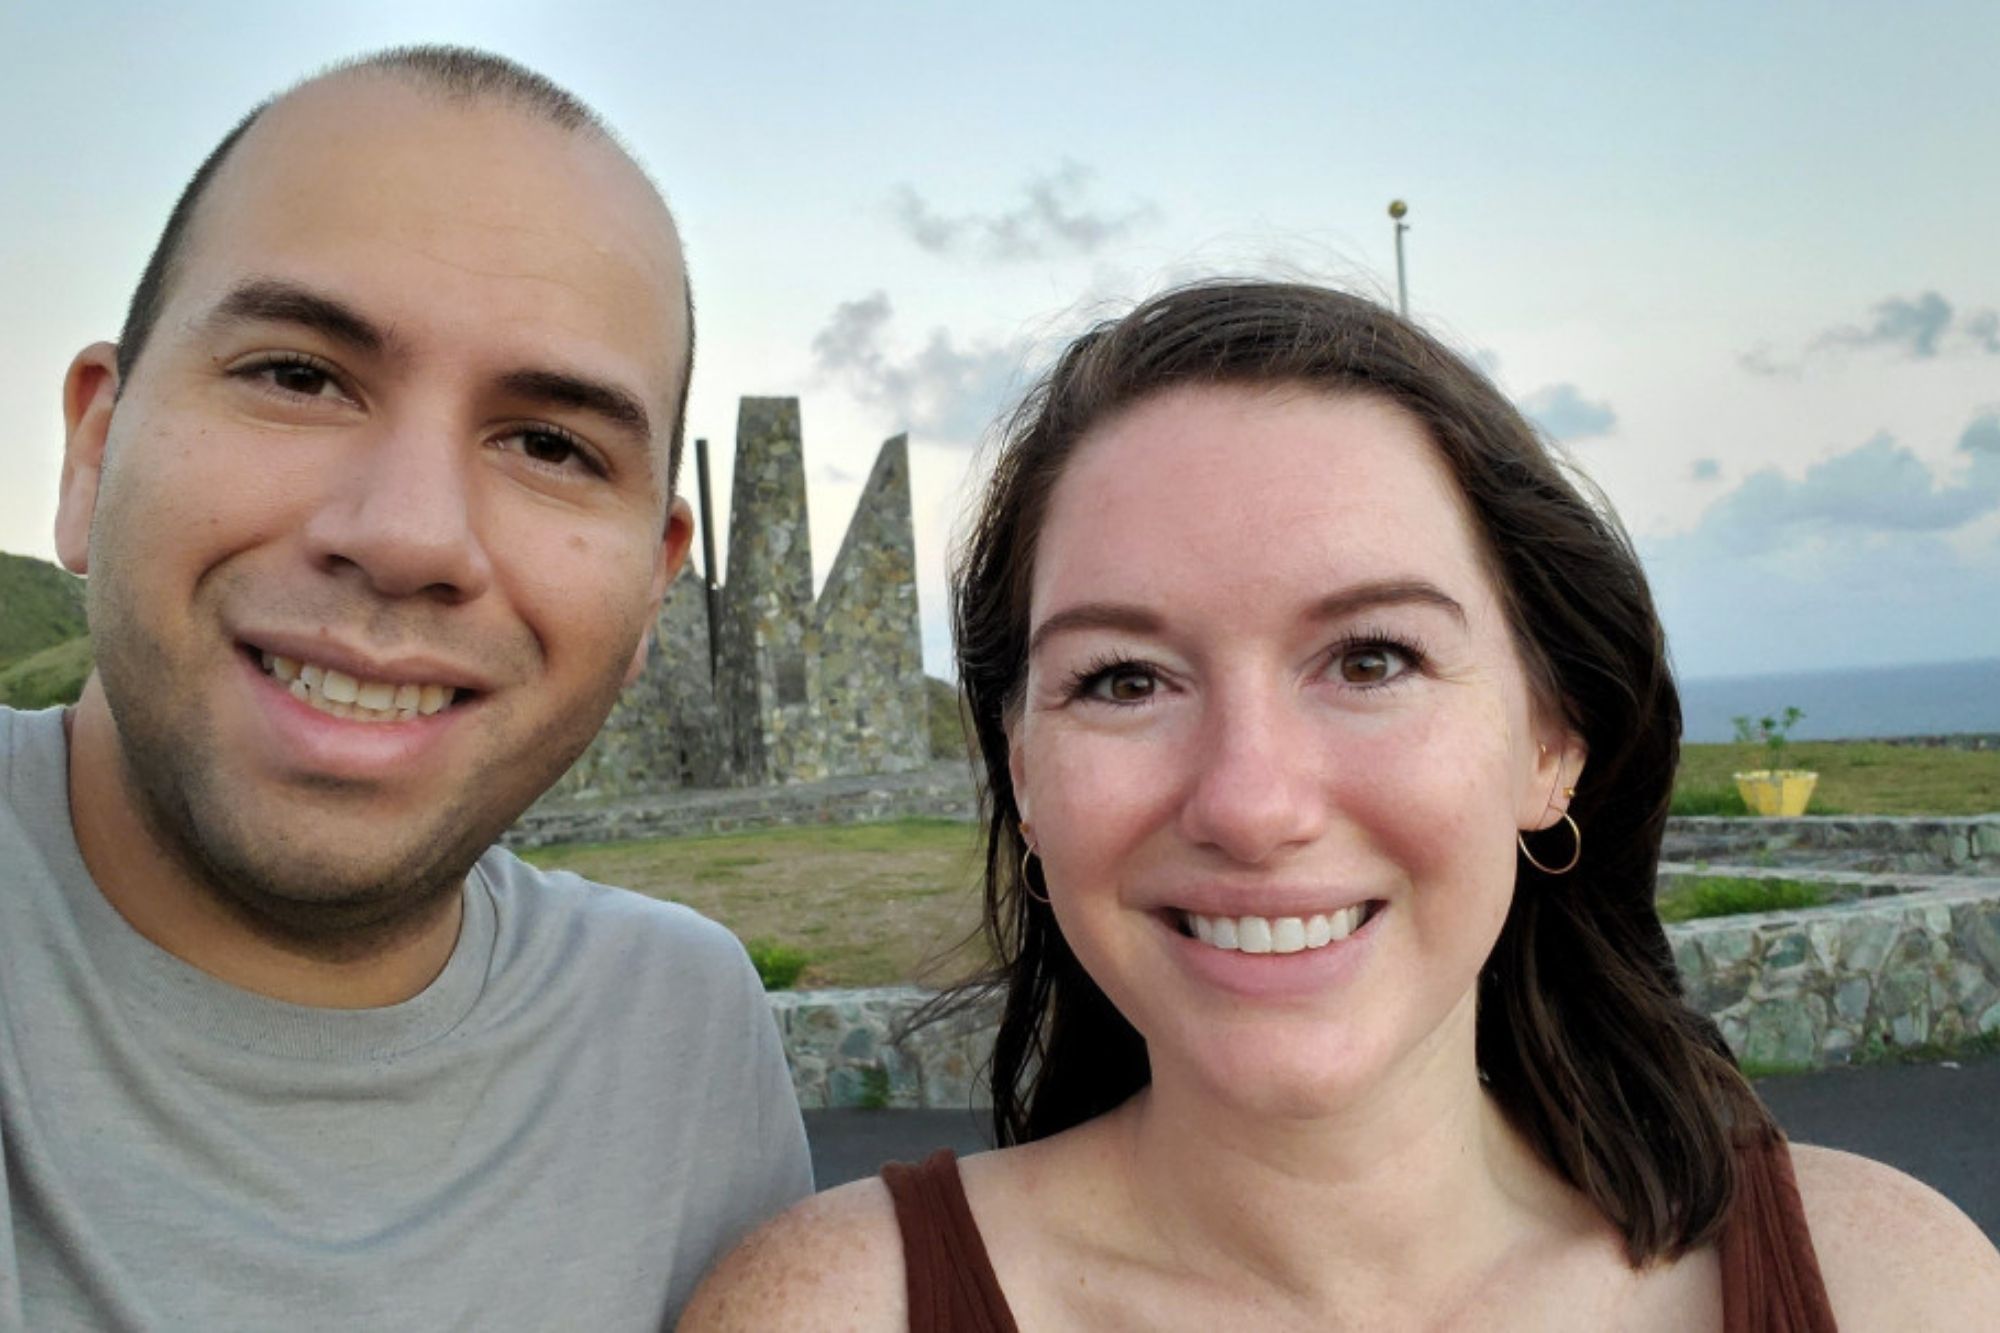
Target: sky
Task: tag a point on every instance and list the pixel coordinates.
(1736, 260)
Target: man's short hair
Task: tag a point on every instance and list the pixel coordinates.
(454, 71)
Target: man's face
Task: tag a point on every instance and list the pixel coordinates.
(400, 434)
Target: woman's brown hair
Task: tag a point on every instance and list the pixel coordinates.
(1583, 1038)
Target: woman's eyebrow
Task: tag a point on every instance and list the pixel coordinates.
(1348, 601)
(1094, 615)
(1387, 592)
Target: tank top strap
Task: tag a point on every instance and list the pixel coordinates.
(1771, 1281)
(949, 1276)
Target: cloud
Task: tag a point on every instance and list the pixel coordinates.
(945, 390)
(1052, 221)
(1913, 326)
(1872, 555)
(1565, 414)
(1982, 441)
(1921, 327)
(1876, 488)
(1982, 327)
(1762, 360)
(1705, 469)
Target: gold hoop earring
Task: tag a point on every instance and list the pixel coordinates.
(1521, 841)
(1027, 884)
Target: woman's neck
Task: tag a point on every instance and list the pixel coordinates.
(1409, 1193)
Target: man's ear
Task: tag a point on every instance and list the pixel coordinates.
(90, 392)
(667, 562)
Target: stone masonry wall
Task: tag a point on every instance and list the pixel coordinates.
(1928, 844)
(1789, 990)
(870, 663)
(767, 601)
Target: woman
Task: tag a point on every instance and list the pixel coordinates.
(1328, 736)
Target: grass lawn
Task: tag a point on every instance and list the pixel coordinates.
(867, 904)
(1730, 895)
(1855, 778)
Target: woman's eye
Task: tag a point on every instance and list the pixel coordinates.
(1373, 664)
(1123, 685)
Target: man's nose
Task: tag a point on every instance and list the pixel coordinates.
(404, 513)
(1259, 780)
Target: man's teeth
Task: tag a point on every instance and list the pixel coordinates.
(342, 695)
(1283, 934)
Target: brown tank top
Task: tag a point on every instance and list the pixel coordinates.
(1770, 1277)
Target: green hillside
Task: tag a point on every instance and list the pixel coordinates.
(52, 676)
(40, 607)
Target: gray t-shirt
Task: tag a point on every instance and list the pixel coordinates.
(564, 1130)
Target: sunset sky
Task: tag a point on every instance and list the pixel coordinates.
(1738, 259)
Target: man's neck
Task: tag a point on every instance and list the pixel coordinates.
(158, 897)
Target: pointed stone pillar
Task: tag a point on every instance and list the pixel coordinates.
(870, 665)
(763, 677)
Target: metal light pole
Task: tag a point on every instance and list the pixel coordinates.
(1397, 209)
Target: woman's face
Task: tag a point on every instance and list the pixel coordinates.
(1273, 703)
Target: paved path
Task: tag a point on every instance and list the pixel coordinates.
(1940, 1123)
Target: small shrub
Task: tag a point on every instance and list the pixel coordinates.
(874, 1089)
(1729, 895)
(1974, 1046)
(1770, 732)
(778, 965)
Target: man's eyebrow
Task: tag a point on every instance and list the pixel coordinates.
(269, 300)
(1346, 602)
(559, 389)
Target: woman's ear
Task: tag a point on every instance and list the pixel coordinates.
(1553, 780)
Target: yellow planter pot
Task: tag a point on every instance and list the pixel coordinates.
(1783, 792)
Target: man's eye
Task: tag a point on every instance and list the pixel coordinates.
(308, 380)
(301, 379)
(551, 449)
(546, 448)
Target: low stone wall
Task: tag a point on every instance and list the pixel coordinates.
(942, 791)
(1927, 845)
(854, 1048)
(1962, 741)
(1918, 962)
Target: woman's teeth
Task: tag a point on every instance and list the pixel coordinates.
(342, 695)
(1284, 934)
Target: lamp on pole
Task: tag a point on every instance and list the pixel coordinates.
(1397, 210)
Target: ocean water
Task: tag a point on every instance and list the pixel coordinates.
(1935, 699)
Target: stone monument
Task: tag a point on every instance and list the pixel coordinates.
(801, 688)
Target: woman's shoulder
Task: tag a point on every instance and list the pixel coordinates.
(1893, 1251)
(834, 1261)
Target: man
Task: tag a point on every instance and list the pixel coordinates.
(375, 497)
